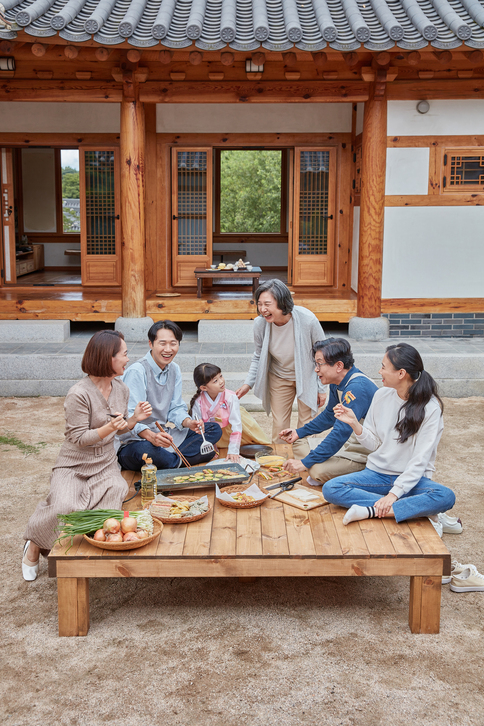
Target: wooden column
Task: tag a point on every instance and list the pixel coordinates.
(132, 148)
(372, 204)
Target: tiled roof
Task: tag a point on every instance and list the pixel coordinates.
(277, 25)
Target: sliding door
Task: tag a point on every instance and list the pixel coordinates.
(191, 213)
(314, 216)
(100, 217)
(8, 216)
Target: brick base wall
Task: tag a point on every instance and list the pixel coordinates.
(436, 325)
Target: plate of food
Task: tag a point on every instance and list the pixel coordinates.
(124, 543)
(244, 496)
(180, 509)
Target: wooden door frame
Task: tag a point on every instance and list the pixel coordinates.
(8, 197)
(85, 258)
(332, 197)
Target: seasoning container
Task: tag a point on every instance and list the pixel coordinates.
(148, 481)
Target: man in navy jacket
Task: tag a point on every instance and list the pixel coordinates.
(340, 452)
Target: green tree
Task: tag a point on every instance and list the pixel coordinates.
(250, 191)
(70, 183)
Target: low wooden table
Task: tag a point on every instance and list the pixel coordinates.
(201, 274)
(274, 540)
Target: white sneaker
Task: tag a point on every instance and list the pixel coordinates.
(469, 580)
(455, 569)
(450, 525)
(437, 526)
(29, 573)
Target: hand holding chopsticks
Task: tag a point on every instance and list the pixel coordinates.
(171, 443)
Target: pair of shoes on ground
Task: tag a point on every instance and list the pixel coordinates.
(444, 524)
(464, 578)
(29, 571)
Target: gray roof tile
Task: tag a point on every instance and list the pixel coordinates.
(246, 25)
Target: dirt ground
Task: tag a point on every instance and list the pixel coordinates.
(204, 652)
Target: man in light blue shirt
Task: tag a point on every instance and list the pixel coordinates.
(157, 379)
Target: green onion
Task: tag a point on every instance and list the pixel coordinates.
(88, 521)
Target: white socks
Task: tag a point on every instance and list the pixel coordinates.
(313, 482)
(355, 513)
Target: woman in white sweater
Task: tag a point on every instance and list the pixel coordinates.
(402, 429)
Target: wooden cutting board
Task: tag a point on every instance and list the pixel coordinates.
(287, 499)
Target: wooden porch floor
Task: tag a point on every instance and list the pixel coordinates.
(77, 304)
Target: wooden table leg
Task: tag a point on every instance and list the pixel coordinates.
(255, 285)
(199, 287)
(73, 606)
(424, 612)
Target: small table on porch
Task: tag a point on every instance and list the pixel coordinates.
(201, 273)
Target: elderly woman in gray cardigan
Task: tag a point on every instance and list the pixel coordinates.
(282, 366)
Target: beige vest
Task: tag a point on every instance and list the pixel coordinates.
(353, 450)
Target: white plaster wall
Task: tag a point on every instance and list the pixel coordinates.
(433, 252)
(253, 118)
(260, 254)
(54, 255)
(407, 171)
(444, 118)
(355, 248)
(101, 118)
(360, 112)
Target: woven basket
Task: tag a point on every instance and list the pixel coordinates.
(157, 527)
(182, 520)
(242, 505)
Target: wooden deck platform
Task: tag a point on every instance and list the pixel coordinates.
(77, 304)
(274, 540)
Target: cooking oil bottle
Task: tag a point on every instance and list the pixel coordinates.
(148, 481)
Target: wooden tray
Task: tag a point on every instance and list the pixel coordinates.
(286, 498)
(157, 527)
(182, 520)
(242, 505)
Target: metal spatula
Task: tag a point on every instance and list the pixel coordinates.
(206, 447)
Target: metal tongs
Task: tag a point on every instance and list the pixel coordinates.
(284, 486)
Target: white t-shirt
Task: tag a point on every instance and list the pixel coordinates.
(409, 461)
(281, 349)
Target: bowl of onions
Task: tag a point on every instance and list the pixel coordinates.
(123, 535)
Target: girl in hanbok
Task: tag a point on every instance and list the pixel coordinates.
(214, 402)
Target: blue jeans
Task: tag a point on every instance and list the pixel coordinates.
(367, 487)
(130, 456)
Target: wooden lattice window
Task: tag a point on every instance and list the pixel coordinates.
(192, 202)
(100, 202)
(463, 170)
(357, 178)
(313, 202)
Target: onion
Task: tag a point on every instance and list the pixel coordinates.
(99, 536)
(128, 524)
(111, 526)
(130, 537)
(142, 534)
(115, 537)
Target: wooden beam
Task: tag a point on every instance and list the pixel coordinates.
(372, 205)
(253, 92)
(72, 91)
(433, 305)
(432, 89)
(132, 148)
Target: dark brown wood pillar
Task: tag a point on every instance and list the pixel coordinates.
(372, 203)
(132, 148)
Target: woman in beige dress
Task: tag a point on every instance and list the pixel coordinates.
(86, 474)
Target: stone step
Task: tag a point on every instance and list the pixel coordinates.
(225, 331)
(34, 331)
(37, 374)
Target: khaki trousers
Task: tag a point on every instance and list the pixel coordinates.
(282, 395)
(329, 469)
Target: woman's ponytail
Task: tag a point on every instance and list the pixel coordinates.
(412, 413)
